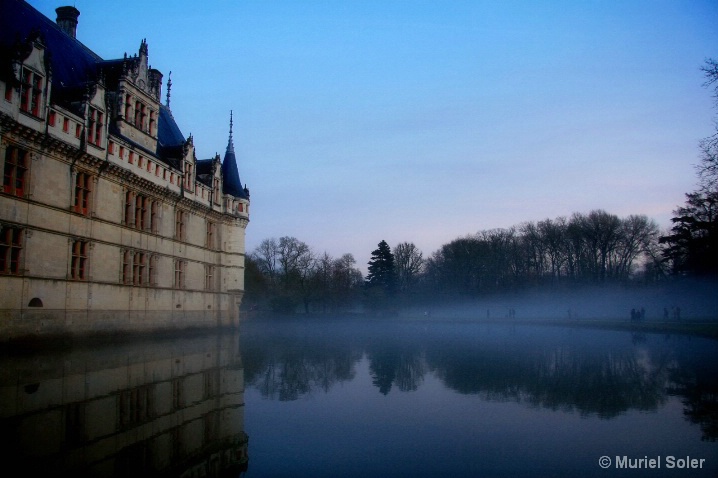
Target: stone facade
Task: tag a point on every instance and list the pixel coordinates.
(109, 221)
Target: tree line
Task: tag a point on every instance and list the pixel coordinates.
(285, 275)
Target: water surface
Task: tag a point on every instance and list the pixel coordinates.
(327, 398)
(469, 399)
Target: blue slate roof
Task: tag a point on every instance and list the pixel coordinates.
(230, 174)
(73, 64)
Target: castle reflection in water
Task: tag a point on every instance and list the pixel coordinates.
(164, 407)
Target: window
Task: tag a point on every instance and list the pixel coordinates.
(127, 267)
(153, 270)
(8, 91)
(122, 152)
(208, 277)
(78, 130)
(66, 125)
(135, 270)
(179, 274)
(110, 147)
(128, 107)
(129, 208)
(51, 118)
(143, 115)
(83, 188)
(140, 212)
(138, 269)
(211, 233)
(131, 158)
(188, 177)
(10, 250)
(78, 265)
(180, 225)
(138, 115)
(94, 132)
(151, 129)
(31, 92)
(215, 193)
(17, 162)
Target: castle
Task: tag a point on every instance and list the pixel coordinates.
(109, 222)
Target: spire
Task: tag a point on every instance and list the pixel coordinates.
(230, 174)
(169, 87)
(230, 144)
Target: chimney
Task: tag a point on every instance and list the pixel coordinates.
(67, 19)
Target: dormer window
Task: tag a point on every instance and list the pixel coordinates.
(128, 107)
(94, 132)
(151, 129)
(31, 92)
(138, 115)
(188, 177)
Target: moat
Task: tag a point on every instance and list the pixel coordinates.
(368, 398)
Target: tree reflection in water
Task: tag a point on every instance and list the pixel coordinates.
(588, 372)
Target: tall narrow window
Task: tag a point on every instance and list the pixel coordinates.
(83, 187)
(17, 162)
(138, 269)
(140, 212)
(128, 107)
(188, 177)
(129, 208)
(211, 233)
(180, 224)
(215, 193)
(138, 115)
(10, 250)
(8, 91)
(127, 267)
(78, 265)
(31, 92)
(94, 130)
(66, 125)
(179, 274)
(208, 277)
(51, 118)
(151, 129)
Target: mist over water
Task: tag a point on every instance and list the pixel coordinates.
(685, 300)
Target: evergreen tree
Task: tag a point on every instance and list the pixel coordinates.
(381, 271)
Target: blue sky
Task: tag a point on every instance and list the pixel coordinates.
(423, 121)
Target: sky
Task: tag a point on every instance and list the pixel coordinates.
(423, 121)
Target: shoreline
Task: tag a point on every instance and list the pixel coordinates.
(706, 327)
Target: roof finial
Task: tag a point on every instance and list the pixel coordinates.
(169, 87)
(230, 125)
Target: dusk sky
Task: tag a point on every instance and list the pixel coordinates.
(424, 121)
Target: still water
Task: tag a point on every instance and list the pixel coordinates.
(383, 399)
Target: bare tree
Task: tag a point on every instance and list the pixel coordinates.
(409, 264)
